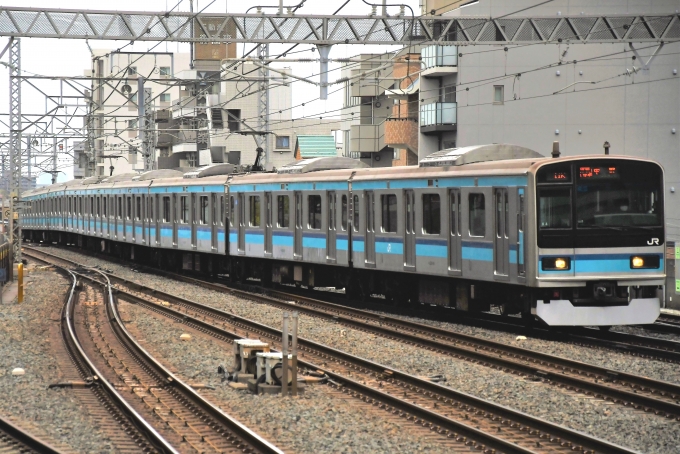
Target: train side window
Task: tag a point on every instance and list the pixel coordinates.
(231, 210)
(221, 210)
(343, 214)
(255, 211)
(80, 206)
(104, 200)
(431, 214)
(184, 209)
(477, 215)
(120, 207)
(149, 209)
(166, 209)
(129, 207)
(203, 207)
(314, 207)
(283, 215)
(355, 220)
(388, 202)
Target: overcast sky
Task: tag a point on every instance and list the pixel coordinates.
(53, 57)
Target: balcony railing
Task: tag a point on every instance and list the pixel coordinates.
(438, 113)
(433, 56)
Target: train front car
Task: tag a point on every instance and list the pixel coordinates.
(599, 241)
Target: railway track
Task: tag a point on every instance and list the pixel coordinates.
(15, 439)
(666, 323)
(169, 414)
(463, 420)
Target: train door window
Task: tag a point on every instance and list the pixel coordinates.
(343, 214)
(138, 211)
(477, 215)
(203, 209)
(129, 207)
(99, 207)
(231, 211)
(355, 208)
(554, 208)
(431, 214)
(314, 210)
(104, 200)
(150, 213)
(92, 213)
(254, 210)
(184, 209)
(283, 211)
(388, 203)
(166, 209)
(120, 208)
(80, 206)
(221, 210)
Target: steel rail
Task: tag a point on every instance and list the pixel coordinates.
(30, 442)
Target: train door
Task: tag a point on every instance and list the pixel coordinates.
(174, 220)
(521, 228)
(193, 212)
(268, 248)
(297, 239)
(501, 240)
(410, 230)
(331, 245)
(214, 218)
(370, 229)
(455, 234)
(241, 202)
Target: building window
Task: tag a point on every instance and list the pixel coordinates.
(388, 203)
(133, 98)
(164, 71)
(165, 97)
(132, 71)
(254, 210)
(343, 215)
(234, 119)
(184, 209)
(166, 209)
(314, 207)
(203, 204)
(498, 95)
(132, 124)
(477, 215)
(282, 141)
(431, 214)
(283, 220)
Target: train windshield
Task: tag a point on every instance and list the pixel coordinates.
(621, 194)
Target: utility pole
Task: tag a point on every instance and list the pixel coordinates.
(54, 160)
(15, 145)
(144, 122)
(262, 141)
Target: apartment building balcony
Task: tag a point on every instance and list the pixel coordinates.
(439, 61)
(402, 133)
(187, 106)
(438, 117)
(367, 138)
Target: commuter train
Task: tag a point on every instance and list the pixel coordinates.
(565, 240)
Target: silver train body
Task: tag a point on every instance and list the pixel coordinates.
(569, 241)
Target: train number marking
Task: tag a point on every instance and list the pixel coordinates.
(653, 241)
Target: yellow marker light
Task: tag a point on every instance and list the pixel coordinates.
(638, 262)
(560, 264)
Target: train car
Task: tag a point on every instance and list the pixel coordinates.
(570, 241)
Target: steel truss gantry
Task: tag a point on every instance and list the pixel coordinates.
(329, 30)
(15, 143)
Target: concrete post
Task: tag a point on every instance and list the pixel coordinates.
(284, 358)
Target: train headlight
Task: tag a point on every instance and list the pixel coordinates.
(556, 263)
(637, 262)
(649, 262)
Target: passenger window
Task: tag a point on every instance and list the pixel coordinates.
(314, 206)
(203, 205)
(149, 209)
(431, 214)
(477, 215)
(166, 209)
(99, 207)
(355, 220)
(254, 210)
(388, 203)
(120, 207)
(231, 211)
(129, 207)
(104, 200)
(343, 215)
(283, 204)
(184, 209)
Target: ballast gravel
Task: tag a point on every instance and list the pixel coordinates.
(652, 434)
(313, 422)
(54, 415)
